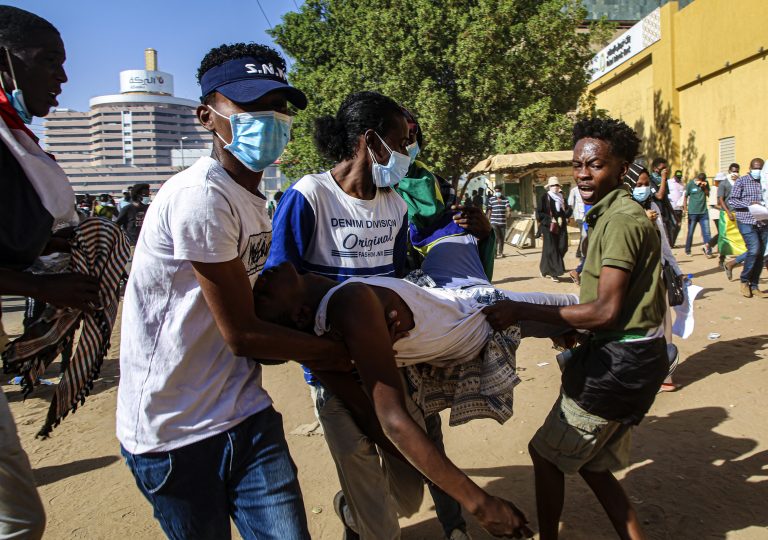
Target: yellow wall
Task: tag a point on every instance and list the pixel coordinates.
(683, 94)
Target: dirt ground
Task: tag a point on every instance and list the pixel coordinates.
(700, 458)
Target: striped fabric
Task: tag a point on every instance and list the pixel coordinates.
(472, 388)
(498, 207)
(99, 248)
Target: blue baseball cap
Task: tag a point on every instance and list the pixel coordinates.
(249, 78)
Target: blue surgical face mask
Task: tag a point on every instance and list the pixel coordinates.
(389, 175)
(258, 138)
(16, 97)
(146, 200)
(755, 174)
(413, 150)
(641, 193)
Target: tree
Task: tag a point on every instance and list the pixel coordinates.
(481, 75)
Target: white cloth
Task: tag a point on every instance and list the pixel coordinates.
(45, 175)
(446, 327)
(675, 193)
(557, 197)
(575, 201)
(180, 383)
(449, 325)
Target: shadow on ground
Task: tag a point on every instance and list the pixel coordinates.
(686, 481)
(54, 473)
(721, 357)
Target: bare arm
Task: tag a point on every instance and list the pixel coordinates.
(598, 315)
(229, 296)
(371, 344)
(663, 185)
(68, 290)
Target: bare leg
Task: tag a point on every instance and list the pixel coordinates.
(550, 489)
(615, 503)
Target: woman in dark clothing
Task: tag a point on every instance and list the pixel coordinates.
(552, 213)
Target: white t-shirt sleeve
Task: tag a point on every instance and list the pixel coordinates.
(203, 226)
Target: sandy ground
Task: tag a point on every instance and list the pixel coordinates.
(700, 458)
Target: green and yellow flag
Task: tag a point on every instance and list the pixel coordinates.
(730, 241)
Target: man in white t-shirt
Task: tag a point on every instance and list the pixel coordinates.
(196, 427)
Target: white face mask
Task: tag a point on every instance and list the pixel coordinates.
(396, 168)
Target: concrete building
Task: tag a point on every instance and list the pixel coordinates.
(143, 134)
(692, 79)
(129, 137)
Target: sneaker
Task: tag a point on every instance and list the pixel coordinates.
(555, 279)
(688, 253)
(760, 294)
(746, 290)
(340, 507)
(459, 534)
(707, 251)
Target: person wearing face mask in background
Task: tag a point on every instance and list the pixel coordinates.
(695, 204)
(747, 191)
(676, 188)
(639, 181)
(498, 209)
(553, 213)
(131, 217)
(729, 240)
(190, 402)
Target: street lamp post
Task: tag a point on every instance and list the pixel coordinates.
(181, 149)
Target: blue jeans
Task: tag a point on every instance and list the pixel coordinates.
(245, 473)
(703, 221)
(756, 239)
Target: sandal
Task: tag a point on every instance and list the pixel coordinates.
(669, 387)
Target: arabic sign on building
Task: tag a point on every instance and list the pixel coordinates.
(142, 80)
(638, 38)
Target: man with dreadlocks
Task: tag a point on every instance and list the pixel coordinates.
(608, 383)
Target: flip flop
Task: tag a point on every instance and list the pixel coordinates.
(669, 387)
(728, 271)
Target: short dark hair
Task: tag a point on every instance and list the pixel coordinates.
(701, 176)
(225, 53)
(659, 161)
(336, 136)
(623, 140)
(411, 118)
(734, 166)
(137, 189)
(17, 27)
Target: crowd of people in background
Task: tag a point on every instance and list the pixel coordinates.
(223, 282)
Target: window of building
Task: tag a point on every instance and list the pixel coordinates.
(727, 152)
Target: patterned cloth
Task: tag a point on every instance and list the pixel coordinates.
(480, 387)
(99, 249)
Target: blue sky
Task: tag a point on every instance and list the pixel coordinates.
(103, 37)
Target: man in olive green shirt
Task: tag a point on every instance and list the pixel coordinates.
(609, 383)
(695, 202)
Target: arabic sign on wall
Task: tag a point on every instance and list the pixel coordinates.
(638, 38)
(142, 80)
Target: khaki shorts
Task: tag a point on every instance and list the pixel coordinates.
(573, 439)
